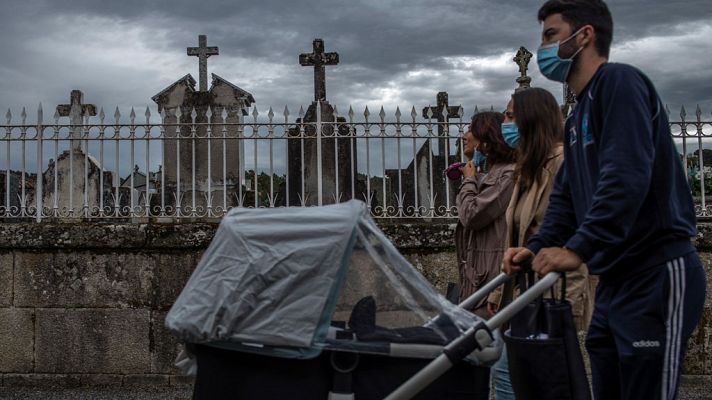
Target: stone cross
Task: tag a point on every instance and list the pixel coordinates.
(318, 59)
(75, 110)
(522, 60)
(203, 52)
(437, 113)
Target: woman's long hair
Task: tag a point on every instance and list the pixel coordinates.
(541, 127)
(487, 128)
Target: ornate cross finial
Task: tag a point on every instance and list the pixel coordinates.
(522, 60)
(75, 110)
(203, 52)
(569, 100)
(318, 59)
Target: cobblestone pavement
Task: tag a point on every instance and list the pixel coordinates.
(691, 389)
(96, 393)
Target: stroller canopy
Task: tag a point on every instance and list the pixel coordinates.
(292, 281)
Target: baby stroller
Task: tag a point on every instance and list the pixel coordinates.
(316, 303)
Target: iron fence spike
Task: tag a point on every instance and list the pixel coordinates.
(429, 113)
(23, 115)
(117, 115)
(286, 111)
(132, 116)
(101, 116)
(223, 114)
(351, 112)
(56, 116)
(336, 112)
(413, 114)
(162, 114)
(398, 112)
(255, 113)
(8, 116)
(209, 112)
(193, 114)
(683, 113)
(382, 114)
(444, 113)
(698, 112)
(40, 112)
(148, 115)
(301, 112)
(270, 114)
(460, 111)
(178, 113)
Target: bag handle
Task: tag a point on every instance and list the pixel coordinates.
(563, 287)
(526, 279)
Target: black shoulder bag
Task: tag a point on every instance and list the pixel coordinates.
(545, 361)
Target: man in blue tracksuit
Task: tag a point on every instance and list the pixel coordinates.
(620, 204)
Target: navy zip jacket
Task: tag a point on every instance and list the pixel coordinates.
(620, 201)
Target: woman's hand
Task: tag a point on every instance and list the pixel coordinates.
(468, 170)
(492, 308)
(512, 257)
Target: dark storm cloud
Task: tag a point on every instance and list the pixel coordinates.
(392, 52)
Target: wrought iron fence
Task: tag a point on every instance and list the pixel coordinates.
(698, 162)
(189, 164)
(200, 165)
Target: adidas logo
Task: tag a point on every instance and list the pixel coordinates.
(646, 343)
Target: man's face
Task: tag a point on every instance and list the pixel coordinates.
(555, 29)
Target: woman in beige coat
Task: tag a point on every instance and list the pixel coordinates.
(533, 125)
(482, 201)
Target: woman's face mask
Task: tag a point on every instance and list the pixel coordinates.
(510, 134)
(478, 158)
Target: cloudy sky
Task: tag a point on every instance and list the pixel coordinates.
(392, 53)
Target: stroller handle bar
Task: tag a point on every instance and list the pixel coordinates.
(478, 336)
(484, 291)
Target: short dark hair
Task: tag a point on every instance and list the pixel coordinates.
(487, 128)
(578, 13)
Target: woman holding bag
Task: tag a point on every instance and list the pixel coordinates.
(534, 127)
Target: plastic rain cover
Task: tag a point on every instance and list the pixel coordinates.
(279, 278)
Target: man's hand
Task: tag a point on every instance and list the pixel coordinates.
(514, 256)
(555, 259)
(468, 170)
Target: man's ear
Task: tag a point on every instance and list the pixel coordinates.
(586, 36)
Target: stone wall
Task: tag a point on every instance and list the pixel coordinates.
(84, 304)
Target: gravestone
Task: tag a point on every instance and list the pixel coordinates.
(334, 178)
(202, 172)
(77, 111)
(72, 183)
(444, 192)
(424, 176)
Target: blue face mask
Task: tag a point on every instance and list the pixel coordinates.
(478, 158)
(510, 133)
(551, 65)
